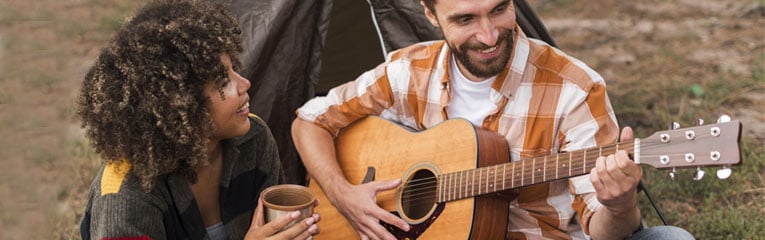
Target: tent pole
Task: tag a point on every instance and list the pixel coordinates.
(377, 28)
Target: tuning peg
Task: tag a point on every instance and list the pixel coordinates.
(674, 125)
(699, 122)
(724, 172)
(673, 174)
(723, 119)
(699, 174)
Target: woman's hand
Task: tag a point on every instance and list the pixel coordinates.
(305, 229)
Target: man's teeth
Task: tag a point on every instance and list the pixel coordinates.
(489, 50)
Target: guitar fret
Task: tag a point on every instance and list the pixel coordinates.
(488, 179)
(544, 174)
(448, 189)
(523, 169)
(585, 158)
(480, 176)
(504, 175)
(472, 190)
(493, 184)
(557, 167)
(495, 179)
(456, 185)
(569, 166)
(462, 184)
(487, 183)
(512, 178)
(441, 188)
(468, 181)
(467, 184)
(533, 172)
(465, 175)
(453, 188)
(462, 179)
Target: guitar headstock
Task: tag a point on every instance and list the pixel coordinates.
(700, 146)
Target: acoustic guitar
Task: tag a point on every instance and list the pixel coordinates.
(450, 171)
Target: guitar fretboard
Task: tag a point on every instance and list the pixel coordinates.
(474, 182)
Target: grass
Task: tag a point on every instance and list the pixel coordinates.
(710, 208)
(44, 48)
(85, 165)
(665, 84)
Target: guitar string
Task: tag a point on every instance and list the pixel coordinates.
(464, 184)
(579, 154)
(549, 161)
(575, 155)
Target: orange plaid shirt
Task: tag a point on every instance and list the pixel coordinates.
(546, 102)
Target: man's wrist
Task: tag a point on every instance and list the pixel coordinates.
(620, 212)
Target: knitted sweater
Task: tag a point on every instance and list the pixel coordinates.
(119, 208)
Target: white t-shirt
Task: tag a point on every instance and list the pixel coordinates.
(470, 100)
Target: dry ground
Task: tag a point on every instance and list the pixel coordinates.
(45, 48)
(47, 45)
(642, 47)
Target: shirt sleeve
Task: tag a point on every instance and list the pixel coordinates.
(592, 123)
(126, 215)
(369, 94)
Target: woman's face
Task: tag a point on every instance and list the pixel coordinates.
(229, 111)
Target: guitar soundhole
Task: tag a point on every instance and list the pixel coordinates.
(418, 198)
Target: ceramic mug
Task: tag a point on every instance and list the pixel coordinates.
(283, 199)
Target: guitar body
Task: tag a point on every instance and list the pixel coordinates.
(392, 152)
(451, 173)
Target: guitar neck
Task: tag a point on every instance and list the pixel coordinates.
(529, 171)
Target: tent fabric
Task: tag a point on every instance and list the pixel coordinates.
(296, 49)
(402, 23)
(282, 42)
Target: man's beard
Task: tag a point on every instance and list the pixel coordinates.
(489, 68)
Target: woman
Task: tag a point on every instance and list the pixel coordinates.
(165, 108)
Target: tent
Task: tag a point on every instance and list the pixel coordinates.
(297, 49)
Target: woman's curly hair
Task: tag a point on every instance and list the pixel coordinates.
(143, 99)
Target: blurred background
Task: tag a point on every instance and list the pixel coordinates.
(664, 61)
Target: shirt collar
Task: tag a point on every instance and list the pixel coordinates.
(509, 79)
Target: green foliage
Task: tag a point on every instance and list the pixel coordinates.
(710, 208)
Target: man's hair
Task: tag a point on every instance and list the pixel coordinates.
(143, 99)
(430, 5)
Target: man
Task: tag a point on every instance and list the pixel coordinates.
(487, 71)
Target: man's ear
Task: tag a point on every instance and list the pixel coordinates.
(431, 15)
